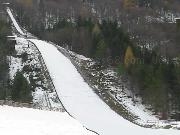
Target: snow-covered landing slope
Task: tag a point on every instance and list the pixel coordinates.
(24, 121)
(82, 103)
(80, 100)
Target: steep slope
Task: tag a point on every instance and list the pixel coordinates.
(80, 100)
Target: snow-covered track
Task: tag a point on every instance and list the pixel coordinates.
(14, 22)
(81, 101)
(52, 84)
(46, 73)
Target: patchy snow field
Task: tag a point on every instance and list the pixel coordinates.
(44, 97)
(23, 121)
(111, 88)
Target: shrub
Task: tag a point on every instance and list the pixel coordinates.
(21, 90)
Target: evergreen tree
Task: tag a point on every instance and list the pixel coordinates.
(21, 89)
(101, 50)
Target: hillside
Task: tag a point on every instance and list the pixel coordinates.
(77, 96)
(112, 61)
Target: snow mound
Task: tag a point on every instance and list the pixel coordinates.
(25, 121)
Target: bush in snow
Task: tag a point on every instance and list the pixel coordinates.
(21, 90)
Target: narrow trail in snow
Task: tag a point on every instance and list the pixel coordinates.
(80, 100)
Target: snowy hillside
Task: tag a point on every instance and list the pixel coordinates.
(23, 121)
(79, 100)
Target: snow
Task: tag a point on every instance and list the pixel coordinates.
(14, 66)
(14, 21)
(120, 93)
(24, 121)
(44, 96)
(81, 57)
(80, 100)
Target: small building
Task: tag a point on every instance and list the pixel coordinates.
(178, 22)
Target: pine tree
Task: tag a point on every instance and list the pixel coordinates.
(21, 89)
(101, 49)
